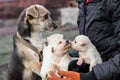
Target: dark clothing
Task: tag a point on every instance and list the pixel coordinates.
(100, 21)
(84, 68)
(109, 70)
(88, 76)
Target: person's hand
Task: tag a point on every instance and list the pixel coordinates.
(68, 75)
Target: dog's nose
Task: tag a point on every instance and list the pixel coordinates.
(54, 25)
(67, 41)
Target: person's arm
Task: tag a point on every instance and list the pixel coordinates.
(109, 70)
(116, 17)
(71, 75)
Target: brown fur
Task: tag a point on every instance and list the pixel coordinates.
(24, 63)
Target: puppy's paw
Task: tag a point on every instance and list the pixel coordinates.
(79, 63)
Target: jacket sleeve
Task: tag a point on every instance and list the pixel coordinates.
(109, 70)
(115, 10)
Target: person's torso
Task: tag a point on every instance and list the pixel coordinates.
(95, 21)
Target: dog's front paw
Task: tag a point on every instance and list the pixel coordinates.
(79, 63)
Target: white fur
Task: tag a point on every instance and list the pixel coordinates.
(60, 58)
(37, 41)
(87, 51)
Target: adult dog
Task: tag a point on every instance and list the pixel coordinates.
(28, 43)
(55, 55)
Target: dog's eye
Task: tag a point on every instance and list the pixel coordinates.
(75, 42)
(30, 16)
(46, 16)
(60, 42)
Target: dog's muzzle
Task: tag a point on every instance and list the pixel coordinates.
(67, 42)
(54, 25)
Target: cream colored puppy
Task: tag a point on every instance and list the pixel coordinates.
(55, 53)
(87, 51)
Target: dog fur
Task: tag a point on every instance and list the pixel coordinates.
(87, 51)
(24, 63)
(55, 55)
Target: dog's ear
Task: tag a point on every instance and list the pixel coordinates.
(24, 25)
(52, 50)
(32, 12)
(83, 43)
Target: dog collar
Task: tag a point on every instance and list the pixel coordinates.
(30, 46)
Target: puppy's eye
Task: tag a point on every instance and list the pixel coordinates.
(60, 42)
(75, 42)
(46, 16)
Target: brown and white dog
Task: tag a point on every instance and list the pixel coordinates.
(87, 51)
(55, 55)
(28, 43)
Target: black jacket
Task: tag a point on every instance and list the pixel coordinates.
(100, 21)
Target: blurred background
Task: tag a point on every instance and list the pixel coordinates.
(63, 12)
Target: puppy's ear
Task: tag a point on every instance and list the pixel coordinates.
(32, 12)
(83, 43)
(52, 50)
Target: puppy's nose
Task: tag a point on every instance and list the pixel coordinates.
(54, 25)
(67, 41)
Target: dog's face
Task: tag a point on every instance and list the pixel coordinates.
(35, 18)
(59, 45)
(81, 43)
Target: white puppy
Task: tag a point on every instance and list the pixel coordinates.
(87, 51)
(55, 54)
